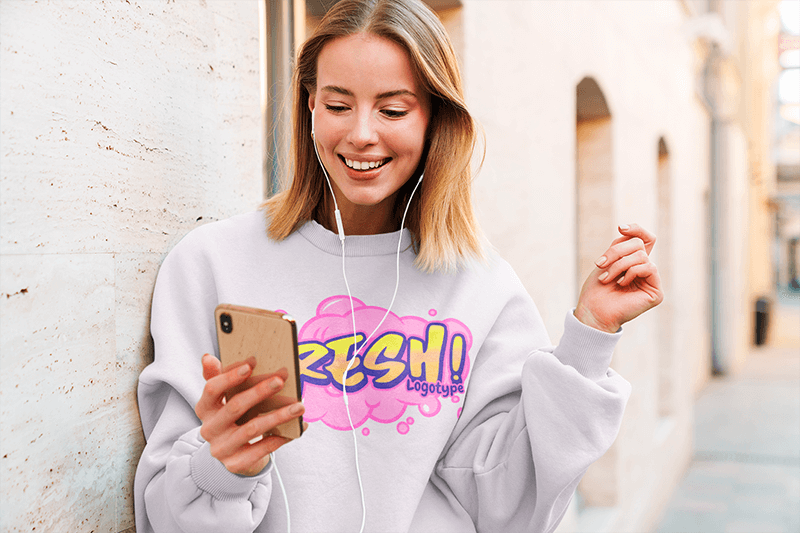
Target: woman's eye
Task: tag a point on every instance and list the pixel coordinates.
(394, 113)
(336, 108)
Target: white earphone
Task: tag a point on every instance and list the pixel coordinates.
(356, 347)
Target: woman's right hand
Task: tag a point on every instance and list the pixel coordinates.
(230, 443)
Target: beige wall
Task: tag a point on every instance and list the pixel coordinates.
(123, 126)
(756, 111)
(522, 89)
(648, 62)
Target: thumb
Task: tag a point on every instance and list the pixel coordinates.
(211, 367)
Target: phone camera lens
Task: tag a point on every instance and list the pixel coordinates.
(226, 322)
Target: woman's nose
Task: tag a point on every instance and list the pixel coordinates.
(364, 131)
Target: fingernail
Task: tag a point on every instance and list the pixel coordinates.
(244, 370)
(624, 227)
(603, 276)
(296, 409)
(602, 261)
(620, 280)
(275, 384)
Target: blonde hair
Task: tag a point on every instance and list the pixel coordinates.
(440, 218)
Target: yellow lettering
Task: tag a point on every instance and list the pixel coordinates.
(341, 347)
(427, 356)
(391, 346)
(310, 354)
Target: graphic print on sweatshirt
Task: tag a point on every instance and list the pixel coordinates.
(409, 362)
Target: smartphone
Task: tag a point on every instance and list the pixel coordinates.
(268, 342)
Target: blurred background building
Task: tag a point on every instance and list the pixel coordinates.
(126, 123)
(786, 192)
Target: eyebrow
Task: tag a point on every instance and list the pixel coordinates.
(388, 94)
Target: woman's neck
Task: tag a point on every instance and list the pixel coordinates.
(364, 219)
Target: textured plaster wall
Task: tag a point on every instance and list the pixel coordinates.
(522, 88)
(123, 125)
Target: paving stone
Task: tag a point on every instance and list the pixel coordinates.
(745, 473)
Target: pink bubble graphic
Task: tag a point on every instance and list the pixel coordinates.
(379, 380)
(458, 415)
(365, 432)
(429, 409)
(410, 421)
(455, 399)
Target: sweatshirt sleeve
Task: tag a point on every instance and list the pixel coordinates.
(526, 438)
(179, 486)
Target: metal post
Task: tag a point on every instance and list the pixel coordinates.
(711, 81)
(279, 23)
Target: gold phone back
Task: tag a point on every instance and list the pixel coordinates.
(267, 339)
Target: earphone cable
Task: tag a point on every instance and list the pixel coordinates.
(347, 403)
(340, 229)
(356, 347)
(397, 272)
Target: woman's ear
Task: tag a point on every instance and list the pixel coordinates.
(312, 102)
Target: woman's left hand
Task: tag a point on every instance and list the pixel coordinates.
(625, 283)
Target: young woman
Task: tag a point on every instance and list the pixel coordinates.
(458, 414)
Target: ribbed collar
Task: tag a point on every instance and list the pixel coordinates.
(355, 245)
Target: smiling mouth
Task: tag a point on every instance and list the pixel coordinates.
(364, 165)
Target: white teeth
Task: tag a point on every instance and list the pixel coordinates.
(363, 165)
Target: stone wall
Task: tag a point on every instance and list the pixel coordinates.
(123, 125)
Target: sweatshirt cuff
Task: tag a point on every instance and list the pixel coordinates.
(586, 349)
(212, 477)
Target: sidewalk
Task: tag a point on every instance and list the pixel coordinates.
(745, 473)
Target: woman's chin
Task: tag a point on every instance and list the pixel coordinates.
(365, 199)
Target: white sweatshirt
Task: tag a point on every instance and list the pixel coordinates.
(466, 418)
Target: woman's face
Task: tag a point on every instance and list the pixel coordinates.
(370, 120)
